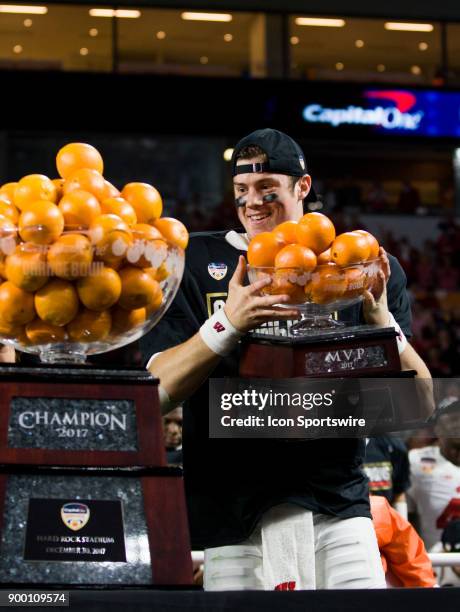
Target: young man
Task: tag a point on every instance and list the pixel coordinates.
(434, 495)
(260, 507)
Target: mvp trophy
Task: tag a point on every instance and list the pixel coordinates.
(364, 358)
(86, 496)
(320, 345)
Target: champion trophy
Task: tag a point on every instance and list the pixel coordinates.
(86, 496)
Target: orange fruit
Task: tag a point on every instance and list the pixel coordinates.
(144, 231)
(110, 191)
(149, 254)
(373, 243)
(100, 290)
(324, 257)
(122, 208)
(124, 320)
(159, 274)
(328, 283)
(148, 249)
(8, 230)
(10, 330)
(77, 155)
(70, 256)
(86, 180)
(286, 232)
(57, 302)
(350, 248)
(356, 282)
(90, 326)
(173, 231)
(16, 305)
(59, 184)
(79, 208)
(287, 283)
(26, 267)
(155, 304)
(32, 188)
(296, 256)
(111, 236)
(9, 189)
(315, 231)
(39, 332)
(138, 289)
(145, 200)
(263, 249)
(41, 223)
(8, 210)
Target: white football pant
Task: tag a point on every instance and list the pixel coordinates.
(292, 548)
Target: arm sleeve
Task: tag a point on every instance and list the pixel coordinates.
(406, 555)
(398, 299)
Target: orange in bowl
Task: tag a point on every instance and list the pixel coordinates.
(350, 248)
(138, 288)
(296, 256)
(374, 246)
(328, 284)
(86, 179)
(77, 155)
(315, 231)
(173, 231)
(286, 232)
(145, 200)
(26, 267)
(32, 188)
(291, 283)
(356, 281)
(70, 257)
(263, 249)
(41, 223)
(80, 208)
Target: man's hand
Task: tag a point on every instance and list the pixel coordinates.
(247, 309)
(375, 304)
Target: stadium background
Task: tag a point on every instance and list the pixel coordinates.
(163, 98)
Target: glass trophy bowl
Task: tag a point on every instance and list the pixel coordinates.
(81, 298)
(318, 294)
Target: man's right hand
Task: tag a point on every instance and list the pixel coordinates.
(247, 309)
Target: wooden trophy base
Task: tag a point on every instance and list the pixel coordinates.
(89, 441)
(348, 351)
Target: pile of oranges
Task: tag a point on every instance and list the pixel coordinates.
(309, 262)
(80, 260)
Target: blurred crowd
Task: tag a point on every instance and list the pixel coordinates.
(433, 279)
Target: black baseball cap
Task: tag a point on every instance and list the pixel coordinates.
(450, 537)
(284, 156)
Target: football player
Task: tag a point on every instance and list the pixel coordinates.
(269, 514)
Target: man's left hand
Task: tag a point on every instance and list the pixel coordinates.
(375, 304)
